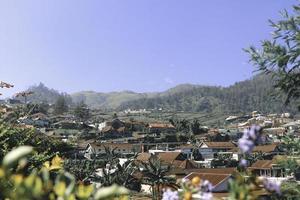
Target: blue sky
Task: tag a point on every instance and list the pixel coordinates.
(139, 45)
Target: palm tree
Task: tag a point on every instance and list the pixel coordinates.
(290, 145)
(155, 175)
(252, 158)
(290, 166)
(124, 175)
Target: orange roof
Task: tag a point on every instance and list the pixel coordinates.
(160, 125)
(127, 146)
(219, 144)
(144, 157)
(214, 179)
(165, 157)
(168, 156)
(262, 164)
(268, 148)
(186, 164)
(227, 170)
(265, 148)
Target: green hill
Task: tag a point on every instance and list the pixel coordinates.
(43, 94)
(245, 96)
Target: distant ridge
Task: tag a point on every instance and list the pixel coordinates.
(256, 93)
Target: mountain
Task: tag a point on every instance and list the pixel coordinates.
(110, 100)
(41, 93)
(256, 93)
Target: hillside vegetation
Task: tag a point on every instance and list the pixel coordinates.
(42, 94)
(245, 96)
(242, 97)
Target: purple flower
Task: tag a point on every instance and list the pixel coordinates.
(206, 196)
(272, 186)
(170, 195)
(249, 139)
(246, 145)
(206, 186)
(244, 163)
(205, 190)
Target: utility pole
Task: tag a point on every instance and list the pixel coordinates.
(5, 85)
(25, 95)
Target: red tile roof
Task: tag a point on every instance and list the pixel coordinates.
(160, 125)
(214, 179)
(262, 164)
(227, 145)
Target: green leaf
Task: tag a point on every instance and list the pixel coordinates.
(15, 155)
(112, 191)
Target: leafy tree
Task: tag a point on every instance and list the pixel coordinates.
(290, 190)
(290, 145)
(155, 175)
(60, 105)
(81, 111)
(47, 182)
(12, 137)
(36, 108)
(290, 165)
(82, 169)
(280, 55)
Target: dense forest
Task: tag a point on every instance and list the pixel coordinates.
(245, 96)
(256, 93)
(42, 94)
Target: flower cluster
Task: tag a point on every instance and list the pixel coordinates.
(272, 186)
(197, 188)
(170, 195)
(249, 139)
(205, 191)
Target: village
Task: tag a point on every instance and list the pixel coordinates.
(185, 149)
(150, 100)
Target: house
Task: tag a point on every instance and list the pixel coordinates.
(114, 129)
(292, 126)
(168, 159)
(275, 131)
(267, 168)
(135, 125)
(94, 149)
(161, 128)
(66, 124)
(219, 181)
(37, 120)
(209, 149)
(269, 150)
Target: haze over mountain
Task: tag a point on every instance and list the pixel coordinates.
(256, 93)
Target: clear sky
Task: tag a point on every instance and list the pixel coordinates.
(139, 45)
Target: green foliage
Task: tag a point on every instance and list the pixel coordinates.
(280, 55)
(83, 169)
(42, 94)
(155, 175)
(242, 97)
(30, 108)
(81, 111)
(48, 182)
(290, 191)
(60, 106)
(291, 145)
(12, 137)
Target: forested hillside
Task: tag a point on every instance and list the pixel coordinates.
(43, 94)
(109, 100)
(246, 96)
